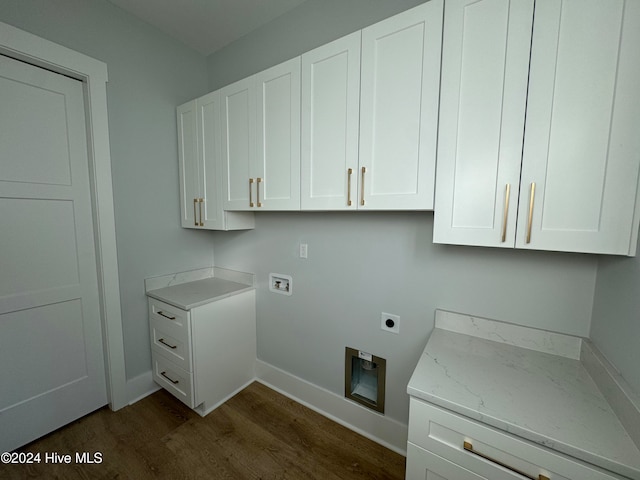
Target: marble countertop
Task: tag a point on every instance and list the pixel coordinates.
(189, 290)
(526, 382)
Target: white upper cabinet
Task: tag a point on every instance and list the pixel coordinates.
(238, 142)
(582, 140)
(330, 116)
(564, 174)
(485, 66)
(188, 164)
(261, 140)
(200, 167)
(400, 79)
(277, 167)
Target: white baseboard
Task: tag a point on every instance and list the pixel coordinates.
(385, 431)
(141, 386)
(203, 410)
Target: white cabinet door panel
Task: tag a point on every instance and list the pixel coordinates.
(330, 116)
(238, 140)
(209, 150)
(278, 138)
(424, 465)
(187, 155)
(483, 98)
(399, 108)
(578, 147)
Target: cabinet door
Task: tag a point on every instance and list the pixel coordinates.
(580, 158)
(238, 142)
(330, 121)
(277, 167)
(485, 63)
(399, 109)
(424, 465)
(188, 164)
(210, 208)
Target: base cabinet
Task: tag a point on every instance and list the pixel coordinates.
(205, 355)
(445, 445)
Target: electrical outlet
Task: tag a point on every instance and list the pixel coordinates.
(303, 250)
(390, 322)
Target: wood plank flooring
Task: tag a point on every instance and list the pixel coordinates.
(258, 434)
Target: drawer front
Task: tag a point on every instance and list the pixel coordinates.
(171, 343)
(445, 433)
(170, 332)
(174, 319)
(174, 379)
(424, 465)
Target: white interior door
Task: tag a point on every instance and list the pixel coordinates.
(50, 328)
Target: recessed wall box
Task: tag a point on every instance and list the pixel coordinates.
(364, 378)
(280, 283)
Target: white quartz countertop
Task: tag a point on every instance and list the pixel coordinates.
(492, 375)
(193, 294)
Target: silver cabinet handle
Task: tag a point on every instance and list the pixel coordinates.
(166, 316)
(164, 374)
(161, 340)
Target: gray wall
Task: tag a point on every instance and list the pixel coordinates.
(615, 325)
(310, 25)
(363, 263)
(149, 74)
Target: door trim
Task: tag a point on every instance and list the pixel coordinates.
(92, 73)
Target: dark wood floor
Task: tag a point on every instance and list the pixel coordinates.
(258, 434)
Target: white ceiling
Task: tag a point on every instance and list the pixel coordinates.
(207, 25)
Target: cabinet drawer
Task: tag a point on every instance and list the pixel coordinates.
(174, 379)
(171, 342)
(424, 465)
(174, 319)
(444, 433)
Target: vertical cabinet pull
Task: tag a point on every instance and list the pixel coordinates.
(200, 202)
(506, 212)
(258, 182)
(362, 185)
(250, 188)
(530, 219)
(349, 173)
(195, 217)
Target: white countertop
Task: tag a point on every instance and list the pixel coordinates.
(194, 293)
(488, 372)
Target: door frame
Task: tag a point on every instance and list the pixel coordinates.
(92, 73)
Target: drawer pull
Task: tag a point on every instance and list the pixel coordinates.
(161, 340)
(469, 448)
(164, 374)
(166, 316)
